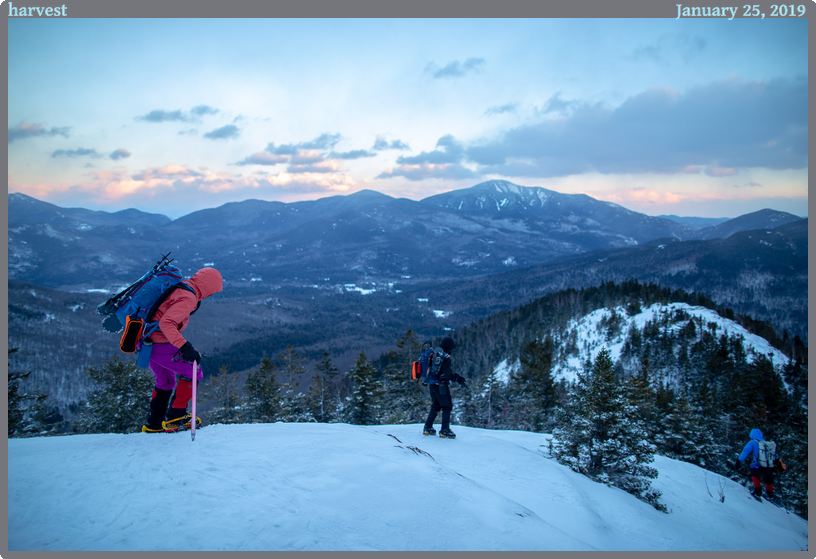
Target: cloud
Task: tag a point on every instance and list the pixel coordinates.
(26, 130)
(307, 156)
(120, 153)
(319, 167)
(508, 108)
(324, 141)
(263, 158)
(381, 144)
(452, 152)
(557, 105)
(286, 149)
(425, 171)
(455, 69)
(724, 125)
(443, 163)
(683, 45)
(302, 153)
(227, 132)
(194, 115)
(81, 152)
(203, 110)
(172, 171)
(184, 189)
(353, 154)
(164, 116)
(714, 171)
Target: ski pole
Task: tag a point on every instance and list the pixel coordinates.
(195, 381)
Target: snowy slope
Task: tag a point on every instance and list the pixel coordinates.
(342, 487)
(591, 337)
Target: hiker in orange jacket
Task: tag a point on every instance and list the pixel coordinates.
(172, 354)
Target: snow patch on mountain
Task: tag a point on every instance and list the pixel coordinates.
(592, 334)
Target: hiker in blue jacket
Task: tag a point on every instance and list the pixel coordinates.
(765, 472)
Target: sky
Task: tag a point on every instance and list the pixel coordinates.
(311, 486)
(691, 117)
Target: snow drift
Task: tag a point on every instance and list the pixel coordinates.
(288, 486)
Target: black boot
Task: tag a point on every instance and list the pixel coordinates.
(175, 413)
(158, 407)
(429, 430)
(446, 433)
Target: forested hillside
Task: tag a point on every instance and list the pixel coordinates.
(698, 385)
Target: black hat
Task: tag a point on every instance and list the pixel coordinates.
(448, 345)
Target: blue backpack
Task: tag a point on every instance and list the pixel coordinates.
(133, 308)
(428, 364)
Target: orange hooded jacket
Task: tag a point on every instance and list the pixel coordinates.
(174, 314)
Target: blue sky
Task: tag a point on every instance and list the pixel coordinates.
(663, 116)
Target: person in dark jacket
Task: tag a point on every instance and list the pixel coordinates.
(441, 395)
(758, 471)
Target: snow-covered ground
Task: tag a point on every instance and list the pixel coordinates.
(287, 486)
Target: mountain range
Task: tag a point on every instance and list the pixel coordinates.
(364, 237)
(351, 273)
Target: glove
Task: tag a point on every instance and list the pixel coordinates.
(737, 464)
(188, 354)
(460, 379)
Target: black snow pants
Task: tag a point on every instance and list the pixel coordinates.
(440, 400)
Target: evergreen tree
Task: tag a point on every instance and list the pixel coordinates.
(293, 402)
(325, 399)
(640, 393)
(364, 401)
(792, 447)
(27, 412)
(316, 399)
(601, 437)
(224, 393)
(405, 397)
(263, 402)
(489, 403)
(532, 390)
(120, 401)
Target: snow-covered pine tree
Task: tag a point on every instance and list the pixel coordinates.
(640, 393)
(325, 398)
(792, 447)
(600, 435)
(27, 412)
(316, 399)
(293, 402)
(262, 393)
(531, 390)
(120, 400)
(405, 397)
(364, 402)
(491, 402)
(686, 436)
(223, 393)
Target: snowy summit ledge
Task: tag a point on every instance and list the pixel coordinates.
(308, 486)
